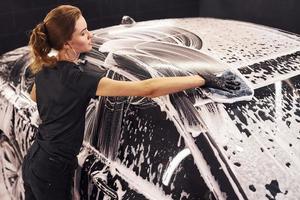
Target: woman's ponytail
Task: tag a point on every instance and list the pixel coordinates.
(40, 48)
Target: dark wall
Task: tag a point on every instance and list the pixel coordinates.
(283, 14)
(18, 17)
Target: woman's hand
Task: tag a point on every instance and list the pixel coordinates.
(221, 83)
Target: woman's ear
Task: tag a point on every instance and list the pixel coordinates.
(66, 46)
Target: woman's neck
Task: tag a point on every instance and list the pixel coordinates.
(68, 56)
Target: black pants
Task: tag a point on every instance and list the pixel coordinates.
(47, 177)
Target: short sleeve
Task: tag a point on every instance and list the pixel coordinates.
(86, 82)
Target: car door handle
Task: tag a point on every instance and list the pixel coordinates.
(105, 188)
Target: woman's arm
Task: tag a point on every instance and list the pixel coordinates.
(33, 93)
(153, 87)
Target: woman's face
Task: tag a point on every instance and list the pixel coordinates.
(81, 38)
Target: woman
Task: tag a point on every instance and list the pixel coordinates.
(62, 92)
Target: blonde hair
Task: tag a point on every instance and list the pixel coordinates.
(56, 29)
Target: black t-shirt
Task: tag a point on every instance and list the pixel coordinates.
(63, 93)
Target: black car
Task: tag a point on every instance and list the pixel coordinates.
(200, 143)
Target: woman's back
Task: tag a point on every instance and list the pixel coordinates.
(63, 93)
